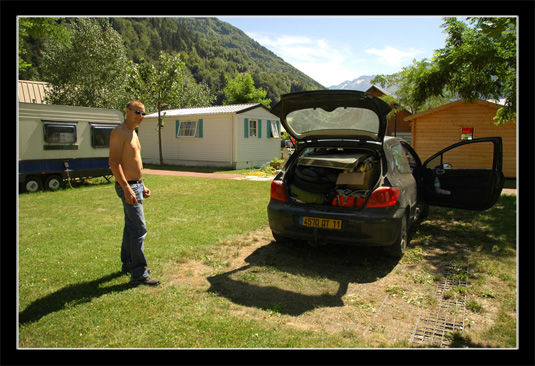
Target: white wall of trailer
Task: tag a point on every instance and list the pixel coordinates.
(32, 117)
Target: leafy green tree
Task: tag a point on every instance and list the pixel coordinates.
(38, 28)
(157, 86)
(166, 84)
(91, 71)
(242, 89)
(193, 94)
(405, 83)
(478, 61)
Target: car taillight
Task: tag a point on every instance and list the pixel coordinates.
(384, 197)
(277, 191)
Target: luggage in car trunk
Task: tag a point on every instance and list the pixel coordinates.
(306, 196)
(319, 178)
(346, 162)
(357, 180)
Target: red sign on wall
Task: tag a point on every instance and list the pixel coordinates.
(467, 130)
(467, 133)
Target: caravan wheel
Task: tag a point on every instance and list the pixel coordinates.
(54, 182)
(33, 184)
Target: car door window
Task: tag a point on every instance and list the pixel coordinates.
(465, 175)
(400, 159)
(471, 156)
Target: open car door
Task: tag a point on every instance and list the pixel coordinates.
(466, 175)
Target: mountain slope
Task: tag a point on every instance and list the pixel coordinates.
(232, 49)
(233, 38)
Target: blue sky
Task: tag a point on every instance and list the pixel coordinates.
(332, 50)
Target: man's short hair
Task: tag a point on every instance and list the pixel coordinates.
(134, 102)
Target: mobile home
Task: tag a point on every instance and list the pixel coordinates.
(58, 142)
(233, 136)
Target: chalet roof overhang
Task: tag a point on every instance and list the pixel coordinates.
(450, 105)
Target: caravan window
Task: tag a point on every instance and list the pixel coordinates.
(61, 133)
(100, 134)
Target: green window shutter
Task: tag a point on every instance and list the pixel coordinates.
(259, 128)
(279, 129)
(177, 124)
(199, 127)
(268, 129)
(246, 128)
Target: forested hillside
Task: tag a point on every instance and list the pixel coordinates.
(211, 49)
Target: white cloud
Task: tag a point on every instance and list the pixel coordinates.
(393, 57)
(280, 41)
(315, 57)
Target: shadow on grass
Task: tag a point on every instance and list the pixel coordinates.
(308, 267)
(69, 296)
(449, 234)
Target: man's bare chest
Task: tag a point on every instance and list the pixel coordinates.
(132, 147)
(133, 144)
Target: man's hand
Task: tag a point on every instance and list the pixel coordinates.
(146, 193)
(130, 196)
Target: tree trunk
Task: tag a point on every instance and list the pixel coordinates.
(160, 136)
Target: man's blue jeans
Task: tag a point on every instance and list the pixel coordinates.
(135, 230)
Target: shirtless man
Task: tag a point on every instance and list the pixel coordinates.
(125, 163)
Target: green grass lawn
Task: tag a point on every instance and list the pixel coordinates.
(72, 295)
(70, 291)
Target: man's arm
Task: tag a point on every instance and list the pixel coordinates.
(116, 151)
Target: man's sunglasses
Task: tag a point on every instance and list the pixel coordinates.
(139, 112)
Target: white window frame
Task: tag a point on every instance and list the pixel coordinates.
(253, 126)
(274, 130)
(187, 129)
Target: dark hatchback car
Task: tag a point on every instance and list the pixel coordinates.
(347, 183)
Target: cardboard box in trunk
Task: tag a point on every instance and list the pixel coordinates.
(344, 161)
(356, 180)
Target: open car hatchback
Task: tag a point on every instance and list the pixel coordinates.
(348, 183)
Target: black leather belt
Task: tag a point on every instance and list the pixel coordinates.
(130, 182)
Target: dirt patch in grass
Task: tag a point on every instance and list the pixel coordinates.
(436, 296)
(355, 291)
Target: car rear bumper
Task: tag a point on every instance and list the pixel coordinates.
(370, 227)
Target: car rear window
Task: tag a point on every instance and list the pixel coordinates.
(342, 118)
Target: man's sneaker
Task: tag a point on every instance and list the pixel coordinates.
(146, 281)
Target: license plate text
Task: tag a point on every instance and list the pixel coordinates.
(321, 223)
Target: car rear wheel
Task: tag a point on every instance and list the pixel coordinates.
(398, 248)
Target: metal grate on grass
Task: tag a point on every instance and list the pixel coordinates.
(423, 326)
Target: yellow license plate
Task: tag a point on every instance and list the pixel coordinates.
(320, 223)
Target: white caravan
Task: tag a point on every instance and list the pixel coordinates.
(58, 143)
